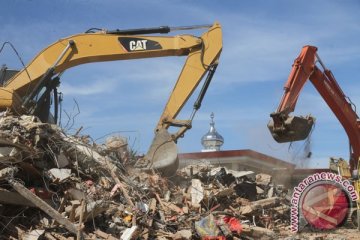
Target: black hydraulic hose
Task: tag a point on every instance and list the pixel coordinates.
(162, 29)
(56, 105)
(204, 88)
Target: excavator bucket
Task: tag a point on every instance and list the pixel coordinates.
(162, 154)
(292, 129)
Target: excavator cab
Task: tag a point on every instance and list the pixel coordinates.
(290, 128)
(6, 74)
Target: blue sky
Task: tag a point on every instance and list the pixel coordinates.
(260, 41)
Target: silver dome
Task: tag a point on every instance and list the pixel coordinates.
(212, 140)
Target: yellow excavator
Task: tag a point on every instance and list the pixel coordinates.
(33, 89)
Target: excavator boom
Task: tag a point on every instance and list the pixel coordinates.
(21, 93)
(285, 128)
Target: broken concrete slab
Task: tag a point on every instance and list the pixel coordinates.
(263, 179)
(130, 233)
(196, 192)
(59, 174)
(33, 235)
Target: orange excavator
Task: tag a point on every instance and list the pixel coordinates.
(286, 128)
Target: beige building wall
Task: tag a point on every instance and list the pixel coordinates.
(243, 160)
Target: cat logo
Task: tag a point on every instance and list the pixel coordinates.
(138, 45)
(132, 44)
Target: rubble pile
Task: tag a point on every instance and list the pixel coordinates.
(56, 186)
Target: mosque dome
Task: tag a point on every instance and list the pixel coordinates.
(212, 140)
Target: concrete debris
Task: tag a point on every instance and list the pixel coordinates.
(33, 235)
(236, 174)
(197, 192)
(129, 233)
(263, 179)
(181, 235)
(7, 172)
(191, 170)
(59, 174)
(258, 232)
(71, 188)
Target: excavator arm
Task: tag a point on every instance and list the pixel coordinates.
(21, 92)
(286, 128)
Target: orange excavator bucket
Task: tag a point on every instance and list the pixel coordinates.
(292, 128)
